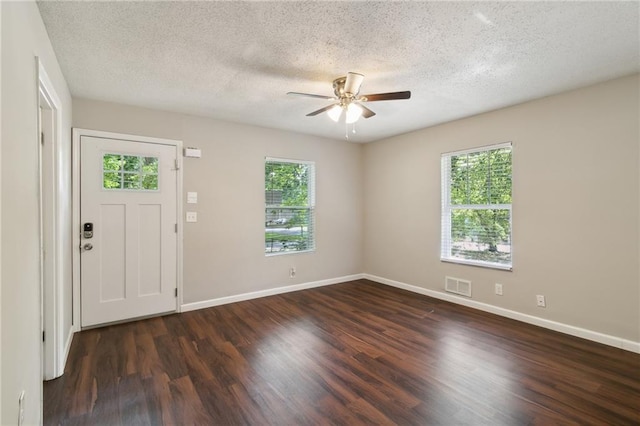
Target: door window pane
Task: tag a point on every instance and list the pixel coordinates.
(129, 172)
(150, 165)
(150, 182)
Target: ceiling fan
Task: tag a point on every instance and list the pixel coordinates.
(348, 102)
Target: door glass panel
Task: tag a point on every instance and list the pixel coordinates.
(111, 162)
(150, 165)
(131, 163)
(150, 182)
(131, 181)
(129, 172)
(111, 180)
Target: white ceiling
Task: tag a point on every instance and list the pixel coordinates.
(236, 60)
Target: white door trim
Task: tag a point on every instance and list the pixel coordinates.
(76, 225)
(54, 348)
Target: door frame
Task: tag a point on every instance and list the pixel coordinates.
(76, 226)
(54, 348)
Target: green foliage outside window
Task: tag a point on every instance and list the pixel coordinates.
(129, 172)
(292, 179)
(480, 206)
(288, 213)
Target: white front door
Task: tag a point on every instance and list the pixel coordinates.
(128, 216)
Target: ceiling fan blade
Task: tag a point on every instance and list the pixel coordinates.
(309, 95)
(321, 110)
(353, 82)
(366, 112)
(386, 96)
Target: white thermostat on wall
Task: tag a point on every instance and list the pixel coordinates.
(192, 152)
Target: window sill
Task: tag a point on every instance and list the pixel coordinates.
(282, 253)
(478, 264)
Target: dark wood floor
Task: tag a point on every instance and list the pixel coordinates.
(352, 353)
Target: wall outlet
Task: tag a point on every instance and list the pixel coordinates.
(542, 303)
(21, 409)
(292, 272)
(499, 289)
(192, 216)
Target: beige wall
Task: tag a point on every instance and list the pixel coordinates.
(23, 37)
(575, 160)
(575, 207)
(224, 250)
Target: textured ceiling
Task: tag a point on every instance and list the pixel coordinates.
(236, 60)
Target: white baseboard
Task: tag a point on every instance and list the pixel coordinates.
(67, 348)
(269, 292)
(606, 339)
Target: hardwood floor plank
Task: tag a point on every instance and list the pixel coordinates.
(170, 355)
(224, 408)
(85, 395)
(196, 365)
(156, 326)
(148, 360)
(132, 403)
(367, 413)
(158, 399)
(186, 404)
(347, 354)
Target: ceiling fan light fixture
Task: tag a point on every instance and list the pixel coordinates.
(354, 112)
(335, 113)
(347, 99)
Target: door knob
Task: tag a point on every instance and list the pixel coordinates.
(88, 246)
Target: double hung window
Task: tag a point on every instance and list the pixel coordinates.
(289, 206)
(476, 206)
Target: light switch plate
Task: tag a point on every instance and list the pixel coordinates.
(192, 197)
(192, 216)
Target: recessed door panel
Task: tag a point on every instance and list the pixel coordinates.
(149, 249)
(112, 252)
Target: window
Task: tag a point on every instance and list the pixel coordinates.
(129, 172)
(289, 206)
(476, 207)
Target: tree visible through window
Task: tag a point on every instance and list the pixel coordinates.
(476, 206)
(130, 172)
(289, 206)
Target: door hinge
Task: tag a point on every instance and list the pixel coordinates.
(176, 291)
(43, 336)
(42, 138)
(176, 164)
(176, 228)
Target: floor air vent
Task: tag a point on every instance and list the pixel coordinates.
(457, 286)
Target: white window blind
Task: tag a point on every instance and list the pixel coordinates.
(476, 206)
(289, 206)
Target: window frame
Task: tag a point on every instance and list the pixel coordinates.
(122, 173)
(446, 239)
(310, 207)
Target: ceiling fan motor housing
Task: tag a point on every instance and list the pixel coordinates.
(338, 88)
